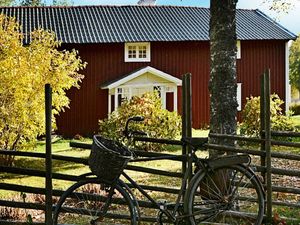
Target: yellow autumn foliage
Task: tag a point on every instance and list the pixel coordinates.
(24, 70)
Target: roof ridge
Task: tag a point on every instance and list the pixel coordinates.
(121, 6)
(117, 6)
(246, 9)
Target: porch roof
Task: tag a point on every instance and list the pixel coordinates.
(128, 77)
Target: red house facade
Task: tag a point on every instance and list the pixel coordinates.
(131, 49)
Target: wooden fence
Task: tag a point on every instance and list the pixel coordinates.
(264, 168)
(37, 173)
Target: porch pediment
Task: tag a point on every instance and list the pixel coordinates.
(147, 75)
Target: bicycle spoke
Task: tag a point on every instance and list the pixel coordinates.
(211, 190)
(231, 180)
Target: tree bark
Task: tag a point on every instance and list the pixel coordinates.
(222, 83)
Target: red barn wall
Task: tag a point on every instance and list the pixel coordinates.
(106, 62)
(257, 56)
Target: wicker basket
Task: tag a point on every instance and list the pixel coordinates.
(108, 158)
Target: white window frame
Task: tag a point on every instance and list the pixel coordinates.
(239, 96)
(238, 47)
(137, 45)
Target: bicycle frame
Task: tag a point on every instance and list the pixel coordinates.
(163, 208)
(171, 214)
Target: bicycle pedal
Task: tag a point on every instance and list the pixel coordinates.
(162, 203)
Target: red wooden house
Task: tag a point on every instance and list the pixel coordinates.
(133, 49)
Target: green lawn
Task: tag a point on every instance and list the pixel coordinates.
(60, 147)
(199, 133)
(296, 120)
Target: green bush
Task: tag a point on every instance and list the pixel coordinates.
(158, 123)
(251, 117)
(295, 108)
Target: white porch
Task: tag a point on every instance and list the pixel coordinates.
(139, 82)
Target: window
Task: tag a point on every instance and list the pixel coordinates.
(238, 52)
(131, 52)
(137, 52)
(158, 89)
(123, 94)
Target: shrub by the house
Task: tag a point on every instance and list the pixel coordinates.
(251, 116)
(158, 123)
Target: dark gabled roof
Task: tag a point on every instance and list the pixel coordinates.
(255, 25)
(108, 24)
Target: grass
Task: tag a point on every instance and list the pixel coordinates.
(296, 120)
(290, 215)
(60, 147)
(200, 133)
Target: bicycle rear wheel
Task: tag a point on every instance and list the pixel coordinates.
(226, 195)
(86, 202)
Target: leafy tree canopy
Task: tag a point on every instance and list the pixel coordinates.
(32, 3)
(6, 2)
(280, 5)
(24, 70)
(295, 64)
(62, 2)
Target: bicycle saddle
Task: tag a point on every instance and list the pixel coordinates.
(195, 142)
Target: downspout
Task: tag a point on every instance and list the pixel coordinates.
(287, 78)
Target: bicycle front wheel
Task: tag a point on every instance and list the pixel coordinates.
(86, 203)
(226, 195)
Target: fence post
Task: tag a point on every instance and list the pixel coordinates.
(48, 119)
(189, 119)
(186, 117)
(183, 119)
(268, 146)
(262, 124)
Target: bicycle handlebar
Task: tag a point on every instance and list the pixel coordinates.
(196, 143)
(128, 134)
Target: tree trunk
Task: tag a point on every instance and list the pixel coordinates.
(222, 84)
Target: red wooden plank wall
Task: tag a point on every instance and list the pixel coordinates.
(106, 62)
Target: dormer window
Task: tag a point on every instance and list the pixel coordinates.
(137, 52)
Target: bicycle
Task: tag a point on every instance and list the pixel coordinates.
(222, 191)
